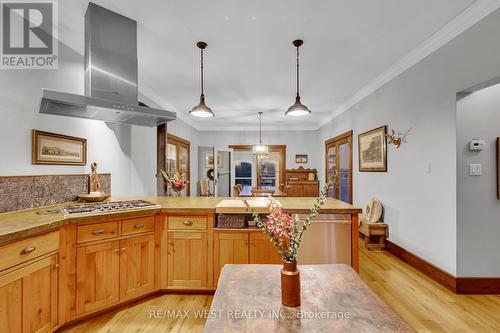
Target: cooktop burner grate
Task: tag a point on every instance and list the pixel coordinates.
(110, 206)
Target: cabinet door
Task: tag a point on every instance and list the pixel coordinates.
(262, 251)
(187, 259)
(310, 190)
(28, 298)
(97, 276)
(230, 248)
(295, 190)
(136, 266)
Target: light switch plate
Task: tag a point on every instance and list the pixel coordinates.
(475, 170)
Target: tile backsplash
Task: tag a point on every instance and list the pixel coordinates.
(22, 192)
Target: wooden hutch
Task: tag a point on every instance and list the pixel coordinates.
(302, 182)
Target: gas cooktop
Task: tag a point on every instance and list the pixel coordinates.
(106, 207)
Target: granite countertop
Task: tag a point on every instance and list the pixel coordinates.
(19, 224)
(333, 299)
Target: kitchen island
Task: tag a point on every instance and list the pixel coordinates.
(333, 299)
(98, 261)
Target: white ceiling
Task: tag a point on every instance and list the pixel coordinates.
(249, 62)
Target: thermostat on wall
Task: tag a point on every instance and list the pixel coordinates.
(476, 144)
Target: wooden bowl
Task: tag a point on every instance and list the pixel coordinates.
(93, 197)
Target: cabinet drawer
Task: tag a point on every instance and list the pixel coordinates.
(27, 249)
(187, 222)
(96, 231)
(138, 225)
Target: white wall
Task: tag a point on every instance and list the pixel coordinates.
(419, 189)
(297, 142)
(478, 217)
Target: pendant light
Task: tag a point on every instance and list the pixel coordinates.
(202, 110)
(297, 109)
(260, 149)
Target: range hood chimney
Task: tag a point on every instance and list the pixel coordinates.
(111, 92)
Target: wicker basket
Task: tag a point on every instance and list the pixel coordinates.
(232, 221)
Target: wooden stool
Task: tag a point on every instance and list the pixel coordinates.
(375, 234)
(371, 227)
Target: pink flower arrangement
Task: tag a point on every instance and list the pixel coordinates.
(279, 223)
(177, 183)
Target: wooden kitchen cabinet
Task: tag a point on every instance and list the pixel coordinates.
(137, 266)
(261, 250)
(28, 297)
(97, 276)
(187, 260)
(229, 248)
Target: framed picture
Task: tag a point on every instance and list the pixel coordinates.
(57, 149)
(209, 160)
(372, 148)
(498, 167)
(301, 158)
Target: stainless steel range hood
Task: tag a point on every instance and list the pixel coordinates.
(111, 91)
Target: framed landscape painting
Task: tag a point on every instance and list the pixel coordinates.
(372, 149)
(57, 149)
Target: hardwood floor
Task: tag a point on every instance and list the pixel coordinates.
(149, 315)
(423, 303)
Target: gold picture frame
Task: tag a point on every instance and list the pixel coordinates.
(57, 149)
(372, 150)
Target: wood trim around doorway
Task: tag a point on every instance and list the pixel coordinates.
(347, 135)
(272, 148)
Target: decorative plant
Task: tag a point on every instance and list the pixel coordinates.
(177, 183)
(286, 231)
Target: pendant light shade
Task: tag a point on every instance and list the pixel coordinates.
(260, 149)
(202, 110)
(297, 109)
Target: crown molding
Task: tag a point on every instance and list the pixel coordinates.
(256, 129)
(464, 20)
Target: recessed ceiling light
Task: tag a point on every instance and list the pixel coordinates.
(226, 18)
(254, 18)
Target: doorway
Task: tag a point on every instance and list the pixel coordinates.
(338, 157)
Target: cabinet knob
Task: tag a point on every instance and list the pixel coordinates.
(56, 266)
(123, 249)
(27, 250)
(97, 231)
(139, 225)
(188, 223)
(116, 250)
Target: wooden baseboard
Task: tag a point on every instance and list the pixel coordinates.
(435, 273)
(458, 285)
(478, 285)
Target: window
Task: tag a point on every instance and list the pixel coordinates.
(178, 158)
(268, 170)
(243, 173)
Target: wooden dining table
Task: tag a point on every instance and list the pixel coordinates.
(261, 192)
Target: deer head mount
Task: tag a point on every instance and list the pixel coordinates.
(393, 139)
(396, 140)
